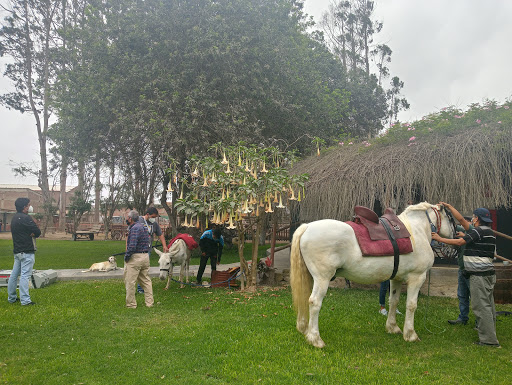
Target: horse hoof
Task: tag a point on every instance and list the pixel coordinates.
(393, 329)
(411, 337)
(316, 341)
(166, 288)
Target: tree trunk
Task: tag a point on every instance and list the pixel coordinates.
(172, 232)
(254, 264)
(243, 263)
(63, 193)
(97, 190)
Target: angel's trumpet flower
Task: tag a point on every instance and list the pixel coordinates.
(231, 226)
(195, 174)
(228, 171)
(224, 160)
(281, 206)
(292, 198)
(264, 169)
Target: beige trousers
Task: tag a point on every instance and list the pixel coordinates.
(137, 270)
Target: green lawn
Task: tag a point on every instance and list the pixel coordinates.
(81, 333)
(68, 254)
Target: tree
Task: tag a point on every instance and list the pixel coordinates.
(396, 103)
(27, 38)
(349, 27)
(156, 81)
(236, 189)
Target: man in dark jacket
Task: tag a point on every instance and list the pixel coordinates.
(211, 244)
(24, 232)
(136, 261)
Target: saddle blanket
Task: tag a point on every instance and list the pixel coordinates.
(189, 240)
(371, 248)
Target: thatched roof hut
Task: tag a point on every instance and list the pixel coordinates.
(448, 157)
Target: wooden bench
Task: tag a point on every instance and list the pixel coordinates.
(95, 229)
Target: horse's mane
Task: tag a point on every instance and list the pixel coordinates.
(423, 206)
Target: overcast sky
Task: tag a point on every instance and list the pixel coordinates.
(451, 52)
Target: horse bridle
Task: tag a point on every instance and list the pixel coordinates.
(439, 248)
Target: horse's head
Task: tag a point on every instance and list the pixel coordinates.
(165, 264)
(447, 227)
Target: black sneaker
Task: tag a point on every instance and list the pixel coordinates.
(457, 321)
(484, 344)
(30, 303)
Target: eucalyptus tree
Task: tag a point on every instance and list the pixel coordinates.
(350, 29)
(27, 38)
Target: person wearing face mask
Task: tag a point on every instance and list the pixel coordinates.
(149, 221)
(24, 232)
(136, 261)
(480, 243)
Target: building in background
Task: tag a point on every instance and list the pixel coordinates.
(10, 192)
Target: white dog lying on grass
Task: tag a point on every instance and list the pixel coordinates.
(111, 264)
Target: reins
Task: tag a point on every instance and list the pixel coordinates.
(440, 249)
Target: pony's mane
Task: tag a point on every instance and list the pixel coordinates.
(423, 206)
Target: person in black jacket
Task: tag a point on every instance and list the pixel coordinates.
(24, 232)
(211, 244)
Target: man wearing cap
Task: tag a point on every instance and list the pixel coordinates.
(480, 245)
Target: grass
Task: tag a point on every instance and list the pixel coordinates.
(81, 333)
(68, 254)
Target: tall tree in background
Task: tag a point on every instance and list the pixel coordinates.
(349, 27)
(160, 80)
(27, 38)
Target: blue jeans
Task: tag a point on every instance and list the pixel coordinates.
(463, 295)
(23, 264)
(384, 287)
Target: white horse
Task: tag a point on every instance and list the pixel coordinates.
(327, 247)
(178, 254)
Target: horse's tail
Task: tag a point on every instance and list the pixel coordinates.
(301, 281)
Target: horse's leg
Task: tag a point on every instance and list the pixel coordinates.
(320, 287)
(182, 268)
(413, 287)
(394, 296)
(169, 276)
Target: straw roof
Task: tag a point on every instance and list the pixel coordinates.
(468, 168)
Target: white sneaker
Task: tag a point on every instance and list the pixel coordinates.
(383, 311)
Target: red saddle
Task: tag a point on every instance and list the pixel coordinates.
(189, 240)
(373, 238)
(376, 229)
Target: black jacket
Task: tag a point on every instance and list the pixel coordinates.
(211, 247)
(22, 228)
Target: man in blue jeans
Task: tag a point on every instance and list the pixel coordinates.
(24, 232)
(462, 282)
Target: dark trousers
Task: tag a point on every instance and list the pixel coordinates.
(202, 265)
(384, 288)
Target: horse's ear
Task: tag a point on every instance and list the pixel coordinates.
(157, 251)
